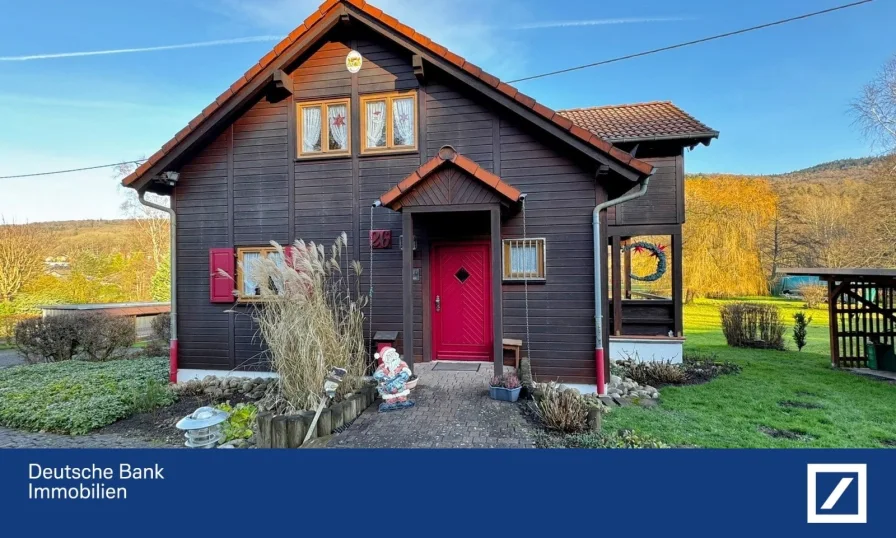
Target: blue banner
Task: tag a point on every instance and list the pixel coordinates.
(632, 493)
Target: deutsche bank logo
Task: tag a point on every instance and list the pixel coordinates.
(837, 493)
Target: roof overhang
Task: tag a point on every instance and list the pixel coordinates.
(259, 78)
(448, 155)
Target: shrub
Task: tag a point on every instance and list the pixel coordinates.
(813, 294)
(507, 381)
(76, 396)
(239, 424)
(103, 337)
(800, 325)
(653, 373)
(310, 317)
(620, 439)
(160, 336)
(752, 325)
(700, 367)
(564, 410)
(98, 337)
(50, 339)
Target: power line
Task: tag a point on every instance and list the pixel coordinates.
(138, 161)
(689, 43)
(558, 72)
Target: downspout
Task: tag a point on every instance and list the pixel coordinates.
(172, 358)
(600, 249)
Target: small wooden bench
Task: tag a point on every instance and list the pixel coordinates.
(515, 346)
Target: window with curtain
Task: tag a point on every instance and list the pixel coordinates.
(324, 128)
(524, 259)
(389, 122)
(247, 257)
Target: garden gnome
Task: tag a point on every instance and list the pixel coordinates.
(391, 377)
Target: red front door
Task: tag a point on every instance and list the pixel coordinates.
(461, 301)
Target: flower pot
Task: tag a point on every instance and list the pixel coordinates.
(411, 383)
(503, 394)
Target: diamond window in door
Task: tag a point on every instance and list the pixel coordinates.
(462, 275)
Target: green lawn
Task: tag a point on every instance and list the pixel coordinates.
(730, 410)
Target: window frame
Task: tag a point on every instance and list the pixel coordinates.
(238, 270)
(389, 97)
(540, 244)
(325, 150)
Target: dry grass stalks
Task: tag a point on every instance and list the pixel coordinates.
(310, 317)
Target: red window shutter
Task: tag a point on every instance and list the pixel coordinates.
(221, 287)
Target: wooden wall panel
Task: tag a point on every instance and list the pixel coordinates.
(661, 203)
(202, 224)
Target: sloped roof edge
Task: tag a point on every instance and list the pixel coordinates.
(325, 10)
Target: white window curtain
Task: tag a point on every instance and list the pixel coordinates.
(403, 122)
(524, 260)
(338, 130)
(249, 285)
(376, 124)
(310, 129)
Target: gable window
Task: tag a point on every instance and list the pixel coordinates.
(389, 122)
(524, 259)
(324, 128)
(246, 287)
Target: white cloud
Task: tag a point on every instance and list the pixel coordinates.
(197, 44)
(597, 22)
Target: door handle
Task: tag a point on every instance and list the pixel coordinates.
(438, 304)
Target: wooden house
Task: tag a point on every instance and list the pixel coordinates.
(478, 200)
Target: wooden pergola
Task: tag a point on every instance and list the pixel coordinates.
(862, 308)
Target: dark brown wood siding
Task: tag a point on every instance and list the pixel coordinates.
(246, 188)
(664, 201)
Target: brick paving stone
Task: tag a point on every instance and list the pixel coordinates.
(453, 410)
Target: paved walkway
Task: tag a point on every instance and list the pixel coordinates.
(453, 411)
(10, 357)
(19, 439)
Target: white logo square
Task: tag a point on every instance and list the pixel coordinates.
(832, 497)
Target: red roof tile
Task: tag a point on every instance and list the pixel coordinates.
(639, 121)
(448, 154)
(323, 11)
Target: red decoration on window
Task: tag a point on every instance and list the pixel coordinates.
(380, 239)
(221, 286)
(339, 121)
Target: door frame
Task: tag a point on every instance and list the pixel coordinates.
(407, 270)
(434, 281)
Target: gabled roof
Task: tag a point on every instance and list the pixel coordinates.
(446, 155)
(657, 120)
(359, 8)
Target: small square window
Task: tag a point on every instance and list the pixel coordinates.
(247, 257)
(524, 259)
(324, 128)
(389, 122)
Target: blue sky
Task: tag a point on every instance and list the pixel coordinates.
(779, 96)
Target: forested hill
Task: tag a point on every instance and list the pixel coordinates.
(67, 238)
(842, 170)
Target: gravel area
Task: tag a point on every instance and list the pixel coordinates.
(19, 439)
(453, 410)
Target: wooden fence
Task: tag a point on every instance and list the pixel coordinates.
(861, 311)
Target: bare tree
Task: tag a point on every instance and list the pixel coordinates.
(20, 258)
(875, 112)
(875, 109)
(150, 226)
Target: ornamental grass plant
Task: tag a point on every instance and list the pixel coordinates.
(310, 318)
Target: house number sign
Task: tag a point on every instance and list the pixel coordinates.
(353, 61)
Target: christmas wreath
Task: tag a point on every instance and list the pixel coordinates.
(657, 251)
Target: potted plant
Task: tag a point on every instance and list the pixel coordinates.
(411, 382)
(505, 388)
